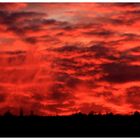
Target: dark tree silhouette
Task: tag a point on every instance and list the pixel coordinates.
(136, 113)
(8, 114)
(79, 124)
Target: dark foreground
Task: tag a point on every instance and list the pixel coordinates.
(77, 125)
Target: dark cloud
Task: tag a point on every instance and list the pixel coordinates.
(3, 94)
(14, 52)
(13, 18)
(32, 40)
(59, 93)
(97, 50)
(133, 96)
(86, 108)
(72, 49)
(120, 72)
(100, 50)
(21, 22)
(135, 49)
(100, 33)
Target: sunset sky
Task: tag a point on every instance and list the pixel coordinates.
(63, 58)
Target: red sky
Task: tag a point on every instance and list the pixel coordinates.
(62, 58)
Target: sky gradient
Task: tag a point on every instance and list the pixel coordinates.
(63, 58)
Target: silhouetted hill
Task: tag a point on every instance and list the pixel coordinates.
(76, 125)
